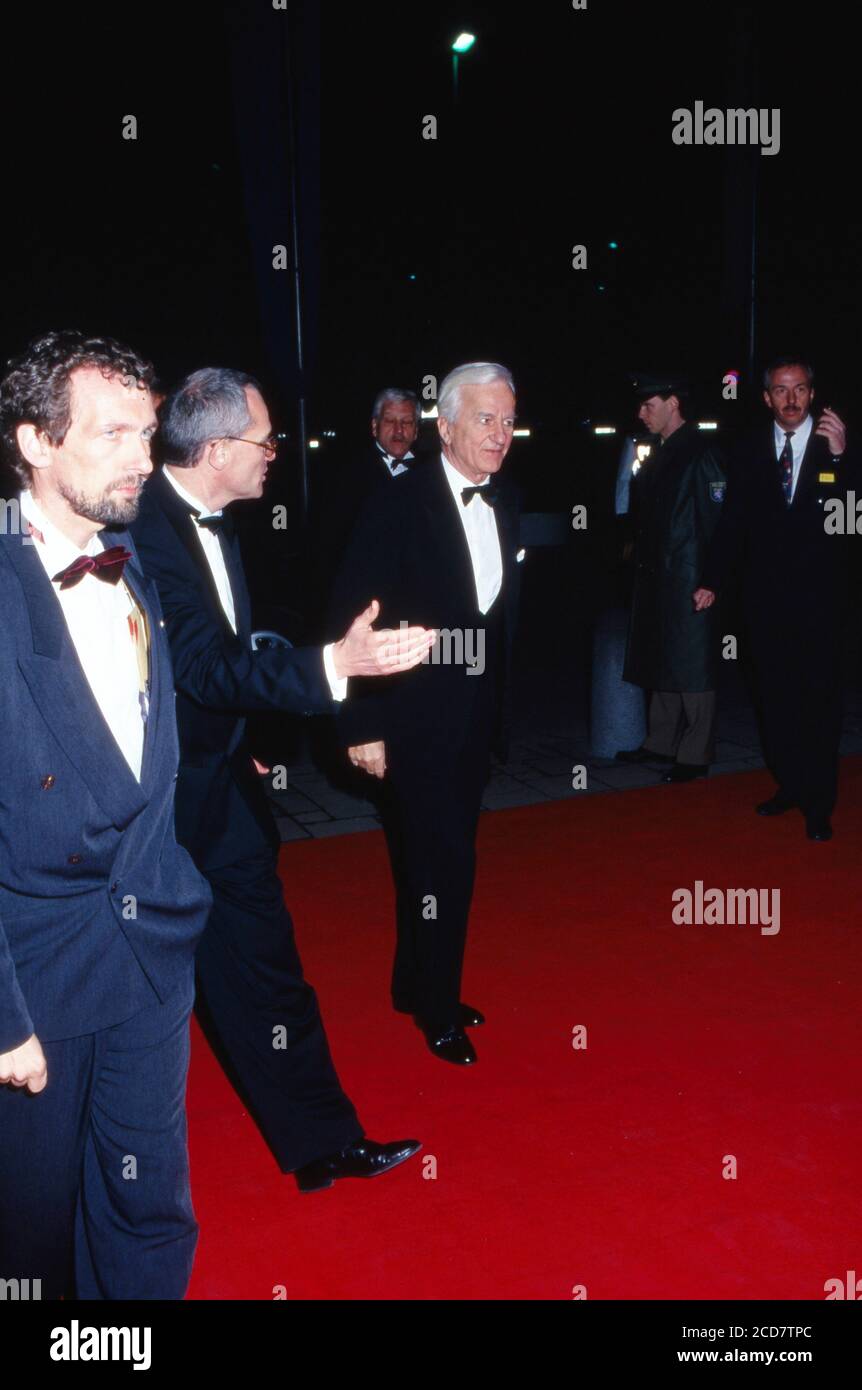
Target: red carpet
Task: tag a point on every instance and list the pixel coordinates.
(555, 1167)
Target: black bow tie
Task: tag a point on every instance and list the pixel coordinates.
(489, 492)
(212, 523)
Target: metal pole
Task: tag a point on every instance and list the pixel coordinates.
(455, 79)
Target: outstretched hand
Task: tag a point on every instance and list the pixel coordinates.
(364, 652)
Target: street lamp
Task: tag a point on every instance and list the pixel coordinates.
(462, 44)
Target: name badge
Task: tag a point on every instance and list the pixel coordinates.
(826, 477)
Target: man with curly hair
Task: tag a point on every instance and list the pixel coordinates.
(100, 909)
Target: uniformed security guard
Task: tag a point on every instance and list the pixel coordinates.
(777, 540)
(672, 649)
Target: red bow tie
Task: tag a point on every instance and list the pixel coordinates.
(108, 565)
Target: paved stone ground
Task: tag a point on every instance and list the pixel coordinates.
(549, 743)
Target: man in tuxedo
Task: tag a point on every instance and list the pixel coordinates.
(672, 650)
(774, 537)
(100, 909)
(217, 443)
(340, 499)
(440, 545)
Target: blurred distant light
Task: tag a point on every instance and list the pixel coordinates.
(430, 414)
(644, 451)
(614, 245)
(521, 434)
(707, 425)
(329, 434)
(411, 277)
(605, 429)
(314, 443)
(636, 466)
(463, 43)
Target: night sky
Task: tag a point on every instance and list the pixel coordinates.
(562, 136)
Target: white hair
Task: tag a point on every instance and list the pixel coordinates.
(471, 374)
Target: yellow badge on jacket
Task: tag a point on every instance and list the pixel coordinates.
(826, 477)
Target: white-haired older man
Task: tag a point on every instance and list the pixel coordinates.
(439, 549)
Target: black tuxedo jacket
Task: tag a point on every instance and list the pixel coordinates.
(222, 813)
(409, 550)
(792, 574)
(338, 499)
(100, 909)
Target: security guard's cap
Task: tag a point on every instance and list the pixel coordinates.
(646, 384)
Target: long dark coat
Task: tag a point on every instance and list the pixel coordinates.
(678, 499)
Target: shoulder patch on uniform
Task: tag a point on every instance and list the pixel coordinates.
(717, 491)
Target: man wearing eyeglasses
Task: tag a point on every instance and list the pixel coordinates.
(217, 445)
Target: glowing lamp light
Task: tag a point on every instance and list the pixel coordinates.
(314, 443)
(605, 429)
(463, 43)
(707, 425)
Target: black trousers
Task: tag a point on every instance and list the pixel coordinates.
(266, 1016)
(799, 687)
(431, 812)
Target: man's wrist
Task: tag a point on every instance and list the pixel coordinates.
(333, 666)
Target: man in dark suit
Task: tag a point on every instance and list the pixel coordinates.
(340, 497)
(216, 439)
(774, 537)
(99, 907)
(441, 545)
(672, 650)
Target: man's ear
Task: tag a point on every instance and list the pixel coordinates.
(217, 455)
(443, 429)
(374, 428)
(33, 445)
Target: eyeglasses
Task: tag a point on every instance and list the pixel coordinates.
(270, 446)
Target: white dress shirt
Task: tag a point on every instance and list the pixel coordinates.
(483, 540)
(395, 465)
(215, 559)
(97, 616)
(797, 444)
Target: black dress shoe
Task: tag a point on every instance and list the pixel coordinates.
(818, 828)
(776, 805)
(452, 1046)
(468, 1017)
(642, 755)
(685, 772)
(362, 1159)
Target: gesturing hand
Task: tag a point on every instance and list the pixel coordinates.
(832, 428)
(364, 652)
(703, 598)
(25, 1066)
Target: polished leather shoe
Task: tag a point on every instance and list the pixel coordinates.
(818, 828)
(685, 772)
(642, 755)
(453, 1046)
(468, 1017)
(362, 1159)
(776, 805)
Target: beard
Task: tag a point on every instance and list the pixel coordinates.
(108, 509)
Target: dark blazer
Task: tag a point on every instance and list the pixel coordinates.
(792, 574)
(100, 909)
(222, 813)
(677, 501)
(339, 496)
(409, 551)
